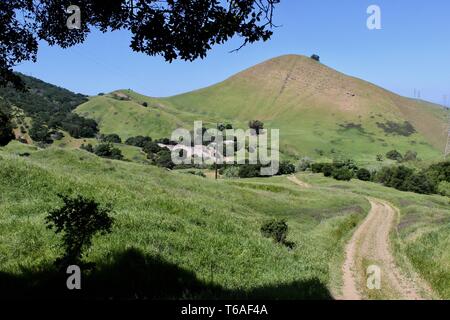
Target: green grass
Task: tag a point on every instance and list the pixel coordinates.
(422, 233)
(170, 226)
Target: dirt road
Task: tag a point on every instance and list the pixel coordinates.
(299, 182)
(370, 245)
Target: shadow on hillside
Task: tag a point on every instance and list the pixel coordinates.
(133, 275)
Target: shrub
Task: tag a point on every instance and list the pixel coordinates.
(106, 150)
(286, 168)
(317, 167)
(379, 157)
(275, 229)
(231, 172)
(256, 125)
(327, 169)
(363, 174)
(315, 57)
(418, 183)
(145, 104)
(138, 141)
(152, 148)
(40, 132)
(79, 219)
(249, 171)
(342, 174)
(394, 155)
(164, 159)
(111, 138)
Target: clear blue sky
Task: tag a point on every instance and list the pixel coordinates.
(411, 51)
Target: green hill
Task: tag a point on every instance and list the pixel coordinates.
(317, 109)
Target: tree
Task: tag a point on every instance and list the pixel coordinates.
(256, 125)
(79, 219)
(286, 168)
(6, 130)
(315, 57)
(394, 155)
(410, 156)
(343, 174)
(106, 150)
(111, 138)
(164, 159)
(363, 174)
(185, 29)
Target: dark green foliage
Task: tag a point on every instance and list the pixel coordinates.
(256, 125)
(379, 157)
(277, 230)
(342, 174)
(363, 174)
(438, 172)
(51, 106)
(101, 94)
(151, 148)
(286, 168)
(106, 150)
(249, 171)
(145, 104)
(111, 138)
(79, 219)
(402, 129)
(317, 167)
(394, 155)
(138, 141)
(228, 126)
(164, 159)
(6, 130)
(327, 169)
(315, 57)
(418, 183)
(39, 132)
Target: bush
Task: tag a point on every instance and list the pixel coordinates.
(315, 57)
(231, 172)
(249, 171)
(164, 159)
(152, 148)
(256, 125)
(79, 219)
(317, 167)
(286, 168)
(343, 174)
(145, 104)
(106, 150)
(394, 155)
(327, 169)
(418, 183)
(111, 138)
(275, 229)
(363, 174)
(138, 141)
(379, 157)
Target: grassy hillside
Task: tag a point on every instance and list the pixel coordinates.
(175, 236)
(317, 109)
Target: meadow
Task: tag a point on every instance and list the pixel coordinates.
(175, 235)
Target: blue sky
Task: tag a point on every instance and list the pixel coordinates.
(411, 51)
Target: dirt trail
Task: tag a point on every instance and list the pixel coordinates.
(370, 244)
(299, 182)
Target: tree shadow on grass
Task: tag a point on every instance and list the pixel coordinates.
(133, 275)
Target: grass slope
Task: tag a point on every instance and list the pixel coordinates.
(306, 100)
(176, 235)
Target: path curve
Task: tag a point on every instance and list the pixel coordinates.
(371, 242)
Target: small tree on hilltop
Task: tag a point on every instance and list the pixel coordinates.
(315, 57)
(79, 219)
(256, 125)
